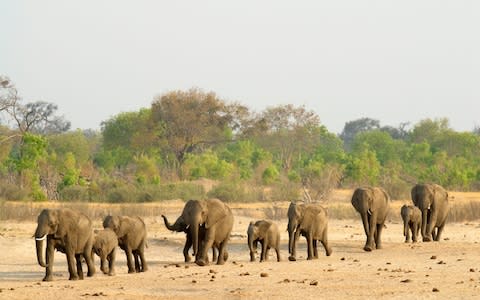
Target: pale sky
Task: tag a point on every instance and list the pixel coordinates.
(395, 61)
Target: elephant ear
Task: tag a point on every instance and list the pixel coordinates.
(215, 211)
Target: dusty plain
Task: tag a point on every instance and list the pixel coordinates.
(449, 269)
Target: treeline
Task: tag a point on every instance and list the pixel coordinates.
(161, 152)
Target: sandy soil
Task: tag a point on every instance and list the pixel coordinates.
(446, 269)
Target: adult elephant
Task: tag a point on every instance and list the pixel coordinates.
(432, 200)
(310, 220)
(69, 232)
(373, 205)
(217, 219)
(181, 226)
(132, 238)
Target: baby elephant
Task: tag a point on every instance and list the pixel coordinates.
(265, 232)
(412, 221)
(104, 245)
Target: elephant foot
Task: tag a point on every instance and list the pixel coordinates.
(379, 247)
(73, 277)
(427, 239)
(201, 263)
(188, 259)
(221, 262)
(131, 271)
(328, 251)
(111, 274)
(292, 258)
(225, 255)
(48, 278)
(367, 248)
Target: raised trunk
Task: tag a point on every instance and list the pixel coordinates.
(39, 245)
(178, 226)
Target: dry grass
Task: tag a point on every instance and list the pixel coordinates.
(463, 207)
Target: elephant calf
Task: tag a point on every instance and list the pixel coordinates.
(105, 243)
(412, 221)
(132, 238)
(267, 233)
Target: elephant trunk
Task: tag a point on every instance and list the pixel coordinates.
(424, 222)
(39, 245)
(405, 225)
(251, 248)
(178, 226)
(291, 237)
(194, 231)
(366, 225)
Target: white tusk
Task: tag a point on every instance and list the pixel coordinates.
(41, 238)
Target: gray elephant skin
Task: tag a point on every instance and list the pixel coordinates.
(217, 219)
(132, 238)
(311, 221)
(69, 232)
(105, 244)
(267, 234)
(181, 226)
(373, 205)
(432, 200)
(412, 221)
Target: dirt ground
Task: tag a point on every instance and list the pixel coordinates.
(446, 269)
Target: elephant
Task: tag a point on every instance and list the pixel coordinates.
(432, 200)
(217, 218)
(311, 221)
(105, 243)
(266, 232)
(180, 226)
(412, 220)
(69, 232)
(132, 238)
(373, 205)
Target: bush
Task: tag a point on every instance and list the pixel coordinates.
(228, 192)
(12, 192)
(75, 193)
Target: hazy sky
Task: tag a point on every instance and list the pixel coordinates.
(395, 61)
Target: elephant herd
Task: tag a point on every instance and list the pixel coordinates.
(207, 224)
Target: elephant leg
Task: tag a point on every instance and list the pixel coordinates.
(103, 264)
(222, 253)
(49, 260)
(143, 262)
(371, 236)
(71, 264)
(136, 260)
(111, 262)
(309, 246)
(438, 232)
(264, 250)
(214, 254)
(201, 259)
(186, 248)
(277, 250)
(88, 255)
(78, 259)
(315, 250)
(378, 236)
(430, 225)
(324, 240)
(410, 228)
(414, 233)
(128, 253)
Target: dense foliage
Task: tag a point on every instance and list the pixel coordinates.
(166, 150)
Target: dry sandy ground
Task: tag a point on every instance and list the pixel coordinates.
(446, 269)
